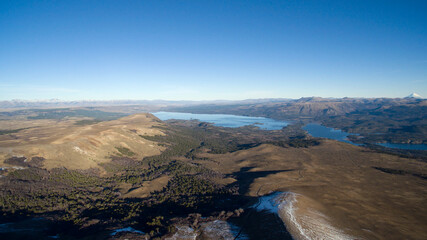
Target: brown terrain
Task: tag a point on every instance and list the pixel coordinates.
(63, 144)
(366, 194)
(339, 180)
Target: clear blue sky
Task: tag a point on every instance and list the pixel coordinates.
(205, 50)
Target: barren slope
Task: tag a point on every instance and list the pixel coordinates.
(64, 144)
(339, 181)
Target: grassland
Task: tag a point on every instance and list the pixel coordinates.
(63, 143)
(152, 175)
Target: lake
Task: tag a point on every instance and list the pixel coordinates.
(314, 129)
(225, 120)
(317, 130)
(405, 146)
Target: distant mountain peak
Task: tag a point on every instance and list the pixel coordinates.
(414, 95)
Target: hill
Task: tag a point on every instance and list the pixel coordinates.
(376, 120)
(78, 143)
(69, 175)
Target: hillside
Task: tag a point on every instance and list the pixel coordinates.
(377, 120)
(85, 145)
(162, 178)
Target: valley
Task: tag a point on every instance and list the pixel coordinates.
(88, 176)
(377, 119)
(213, 120)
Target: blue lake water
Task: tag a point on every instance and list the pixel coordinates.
(225, 120)
(314, 129)
(405, 146)
(317, 130)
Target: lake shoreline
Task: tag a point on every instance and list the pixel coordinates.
(264, 123)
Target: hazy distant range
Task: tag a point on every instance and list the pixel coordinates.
(56, 103)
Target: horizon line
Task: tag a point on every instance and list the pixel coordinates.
(187, 100)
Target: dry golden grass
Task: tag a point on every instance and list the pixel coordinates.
(64, 144)
(338, 180)
(334, 178)
(148, 187)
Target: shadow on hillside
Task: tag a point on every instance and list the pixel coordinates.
(245, 177)
(257, 224)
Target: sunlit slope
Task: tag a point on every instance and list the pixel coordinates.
(65, 144)
(365, 194)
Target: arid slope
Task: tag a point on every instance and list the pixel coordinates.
(64, 144)
(339, 180)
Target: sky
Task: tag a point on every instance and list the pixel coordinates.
(209, 50)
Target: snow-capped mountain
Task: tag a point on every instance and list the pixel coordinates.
(414, 95)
